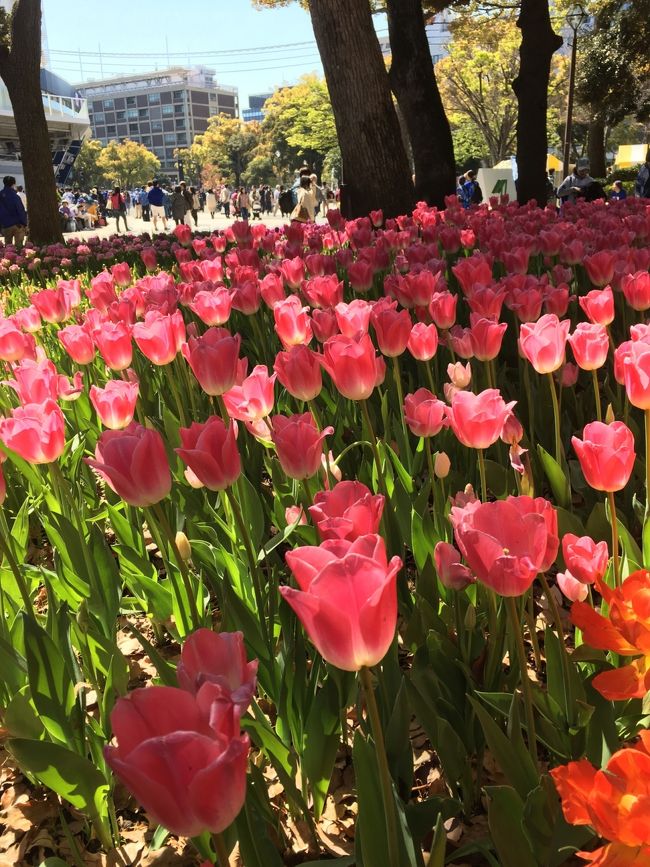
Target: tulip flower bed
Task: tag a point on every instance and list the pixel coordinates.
(329, 545)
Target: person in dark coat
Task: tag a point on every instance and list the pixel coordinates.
(13, 217)
(179, 206)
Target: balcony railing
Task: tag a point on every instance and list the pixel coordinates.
(56, 107)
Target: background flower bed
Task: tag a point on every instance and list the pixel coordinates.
(456, 279)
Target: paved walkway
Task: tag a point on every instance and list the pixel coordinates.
(139, 227)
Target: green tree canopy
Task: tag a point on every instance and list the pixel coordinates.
(127, 163)
(226, 148)
(86, 171)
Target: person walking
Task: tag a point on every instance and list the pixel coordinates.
(224, 200)
(156, 199)
(244, 203)
(306, 202)
(211, 203)
(256, 204)
(319, 197)
(144, 203)
(277, 192)
(188, 198)
(118, 209)
(196, 205)
(574, 185)
(472, 194)
(137, 206)
(642, 185)
(13, 217)
(179, 206)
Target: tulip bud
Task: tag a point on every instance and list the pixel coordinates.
(609, 415)
(441, 465)
(183, 545)
(470, 617)
(83, 620)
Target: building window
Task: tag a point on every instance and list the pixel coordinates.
(181, 138)
(98, 116)
(143, 113)
(167, 110)
(178, 95)
(108, 103)
(156, 126)
(130, 100)
(170, 138)
(146, 141)
(154, 99)
(133, 129)
(180, 123)
(132, 114)
(179, 109)
(111, 131)
(120, 116)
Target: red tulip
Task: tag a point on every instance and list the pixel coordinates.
(253, 399)
(78, 343)
(347, 511)
(392, 329)
(113, 340)
(299, 444)
(323, 291)
(543, 342)
(213, 358)
(292, 322)
(585, 559)
(179, 758)
(347, 600)
(361, 275)
(353, 317)
(540, 506)
(486, 337)
(293, 271)
(133, 462)
(35, 431)
(115, 403)
(504, 545)
(219, 658)
(149, 258)
(606, 455)
(160, 337)
(210, 451)
(451, 572)
(443, 309)
(424, 413)
(600, 267)
(590, 345)
(598, 305)
(183, 234)
(416, 289)
(423, 341)
(299, 372)
(324, 324)
(353, 364)
(636, 288)
(101, 293)
(212, 306)
(121, 274)
(272, 290)
(477, 419)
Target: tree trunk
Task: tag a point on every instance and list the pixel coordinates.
(20, 69)
(413, 81)
(596, 149)
(538, 44)
(375, 166)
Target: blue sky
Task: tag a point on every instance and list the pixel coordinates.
(152, 27)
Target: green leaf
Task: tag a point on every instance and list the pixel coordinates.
(252, 508)
(70, 775)
(438, 845)
(505, 818)
(371, 837)
(557, 478)
(646, 544)
(50, 684)
(321, 742)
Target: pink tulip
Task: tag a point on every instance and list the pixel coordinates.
(292, 322)
(160, 337)
(115, 403)
(424, 413)
(252, 400)
(177, 754)
(347, 635)
(78, 343)
(101, 293)
(347, 511)
(213, 358)
(543, 342)
(113, 340)
(299, 444)
(606, 455)
(299, 371)
(212, 306)
(324, 324)
(574, 590)
(149, 258)
(632, 367)
(28, 319)
(416, 289)
(477, 419)
(54, 305)
(361, 275)
(540, 506)
(423, 341)
(121, 273)
(392, 329)
(36, 432)
(590, 345)
(460, 375)
(451, 572)
(324, 291)
(585, 559)
(293, 272)
(35, 381)
(13, 343)
(219, 658)
(636, 288)
(272, 290)
(598, 305)
(210, 451)
(504, 545)
(354, 317)
(355, 368)
(600, 267)
(486, 337)
(443, 310)
(133, 462)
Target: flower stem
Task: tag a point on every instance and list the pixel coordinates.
(397, 376)
(511, 607)
(220, 848)
(599, 411)
(614, 523)
(182, 567)
(382, 763)
(177, 398)
(557, 621)
(556, 416)
(375, 450)
(6, 551)
(481, 469)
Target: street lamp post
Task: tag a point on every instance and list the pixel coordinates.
(574, 19)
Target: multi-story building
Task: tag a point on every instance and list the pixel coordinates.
(255, 110)
(162, 110)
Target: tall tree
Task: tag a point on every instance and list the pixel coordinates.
(227, 146)
(375, 166)
(20, 69)
(539, 43)
(85, 171)
(413, 81)
(127, 163)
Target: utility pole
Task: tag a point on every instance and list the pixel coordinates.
(574, 19)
